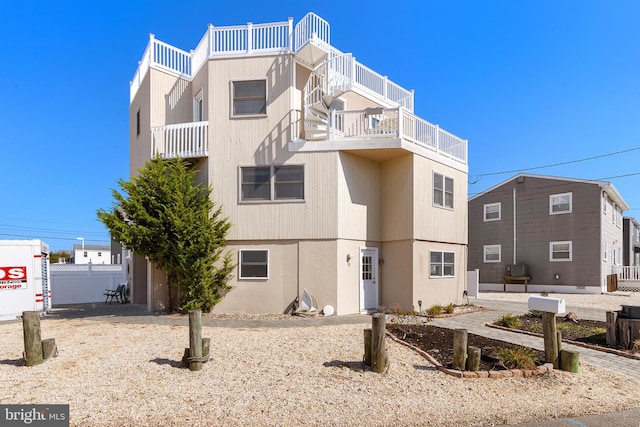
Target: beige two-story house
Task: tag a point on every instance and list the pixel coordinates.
(330, 180)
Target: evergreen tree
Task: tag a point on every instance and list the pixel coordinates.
(166, 216)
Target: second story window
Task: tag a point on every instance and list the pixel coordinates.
(492, 211)
(272, 183)
(560, 203)
(249, 98)
(442, 191)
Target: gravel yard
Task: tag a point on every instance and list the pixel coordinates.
(115, 374)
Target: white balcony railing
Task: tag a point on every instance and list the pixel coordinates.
(379, 123)
(260, 39)
(186, 140)
(626, 272)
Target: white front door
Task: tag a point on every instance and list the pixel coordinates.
(368, 279)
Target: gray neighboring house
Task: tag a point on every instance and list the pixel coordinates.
(568, 232)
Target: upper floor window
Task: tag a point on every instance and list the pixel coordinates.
(560, 203)
(99, 253)
(249, 98)
(560, 251)
(492, 253)
(605, 202)
(138, 123)
(267, 183)
(605, 251)
(198, 107)
(254, 264)
(442, 264)
(618, 216)
(492, 211)
(442, 191)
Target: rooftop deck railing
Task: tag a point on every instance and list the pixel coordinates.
(260, 39)
(387, 123)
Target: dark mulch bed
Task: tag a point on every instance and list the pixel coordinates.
(587, 331)
(438, 342)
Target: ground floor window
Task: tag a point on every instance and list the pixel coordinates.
(442, 264)
(492, 253)
(254, 264)
(560, 251)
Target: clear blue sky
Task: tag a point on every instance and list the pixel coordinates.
(527, 82)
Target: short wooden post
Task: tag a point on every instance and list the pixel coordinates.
(379, 359)
(32, 339)
(569, 360)
(550, 338)
(206, 345)
(611, 329)
(49, 348)
(195, 338)
(559, 340)
(367, 347)
(624, 340)
(634, 331)
(459, 349)
(473, 360)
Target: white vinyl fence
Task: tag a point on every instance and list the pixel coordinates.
(84, 283)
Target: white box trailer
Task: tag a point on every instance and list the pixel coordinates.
(24, 278)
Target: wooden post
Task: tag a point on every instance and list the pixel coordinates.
(367, 347)
(206, 345)
(634, 331)
(459, 349)
(379, 359)
(559, 340)
(49, 348)
(195, 338)
(623, 332)
(473, 361)
(569, 360)
(32, 340)
(611, 329)
(550, 338)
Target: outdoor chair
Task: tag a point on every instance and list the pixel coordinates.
(118, 294)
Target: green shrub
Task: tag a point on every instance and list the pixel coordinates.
(509, 321)
(449, 309)
(544, 294)
(517, 358)
(435, 310)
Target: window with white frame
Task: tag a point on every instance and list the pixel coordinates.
(198, 107)
(614, 255)
(560, 251)
(618, 217)
(253, 264)
(492, 211)
(272, 183)
(249, 98)
(605, 251)
(442, 264)
(605, 202)
(560, 203)
(442, 191)
(492, 253)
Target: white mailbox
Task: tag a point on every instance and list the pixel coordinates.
(548, 304)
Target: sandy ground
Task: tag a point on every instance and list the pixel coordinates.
(115, 374)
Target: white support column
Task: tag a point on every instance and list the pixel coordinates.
(290, 35)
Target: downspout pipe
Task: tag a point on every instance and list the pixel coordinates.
(515, 238)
